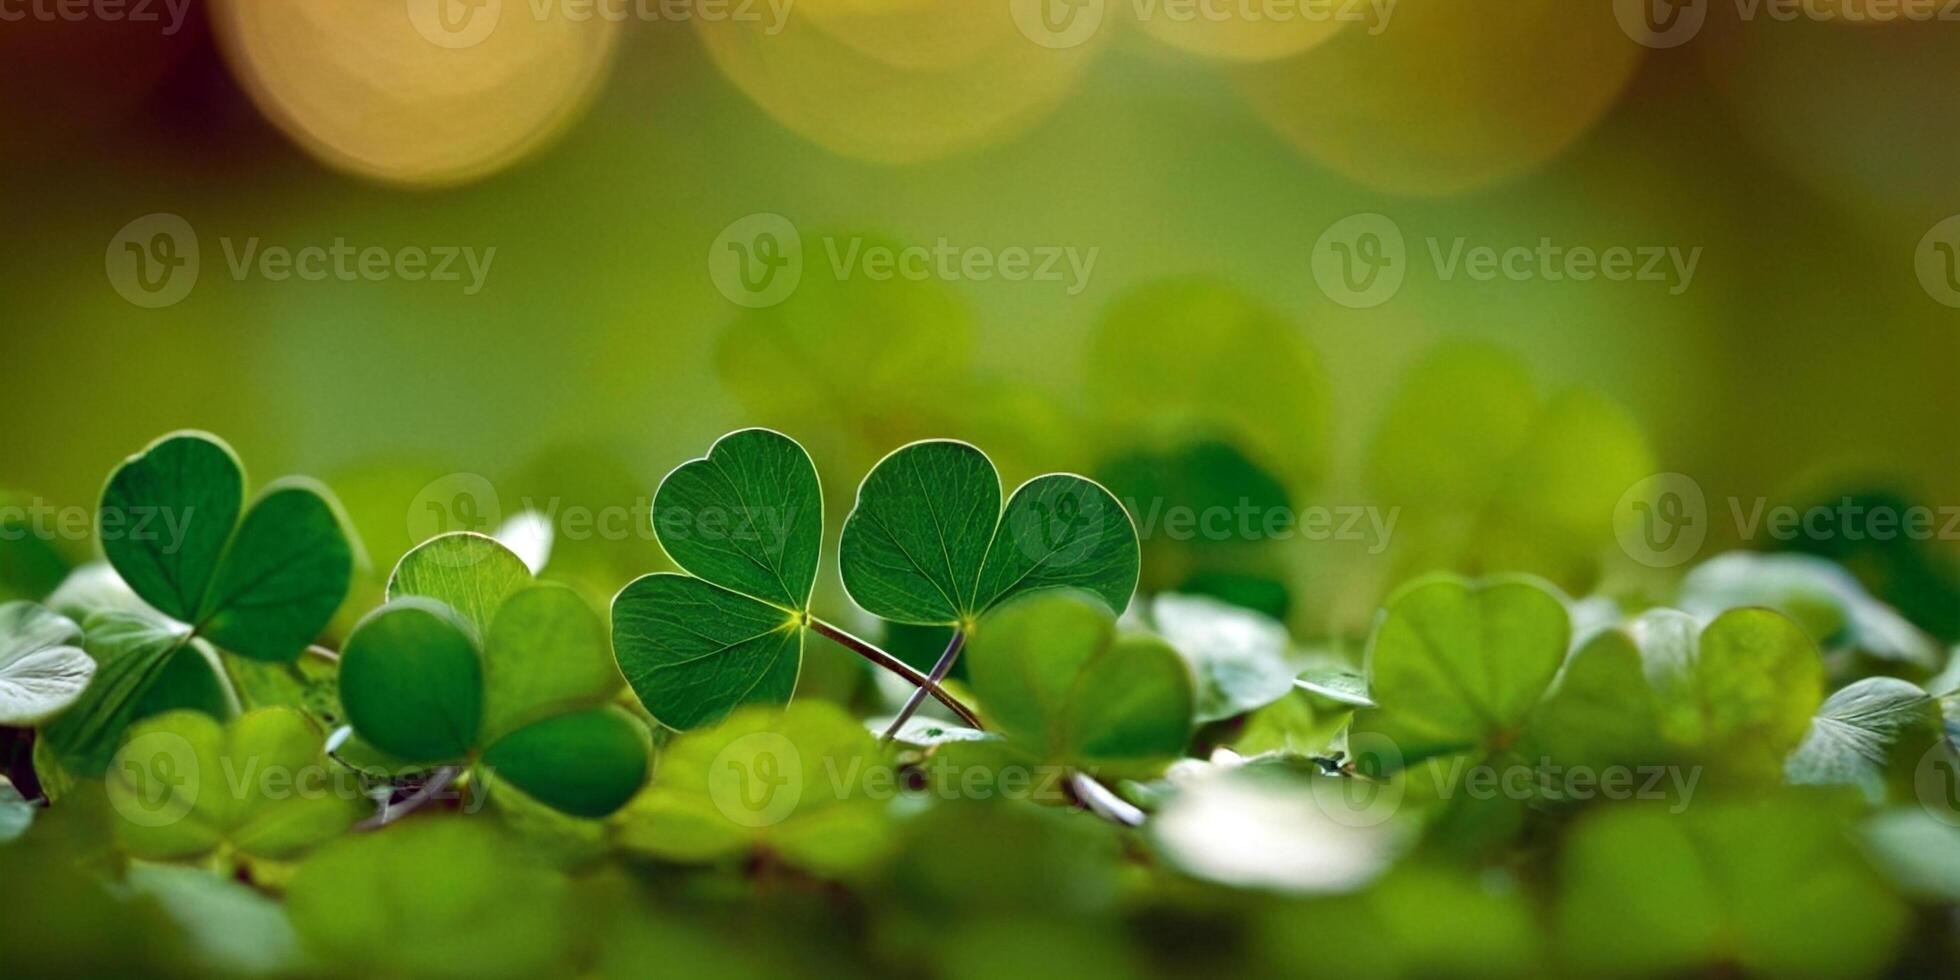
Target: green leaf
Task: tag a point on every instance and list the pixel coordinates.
(1855, 733)
(1741, 692)
(546, 654)
(42, 666)
(1767, 888)
(263, 588)
(232, 928)
(311, 684)
(1601, 712)
(286, 572)
(1459, 666)
(166, 516)
(131, 653)
(587, 763)
(470, 573)
(184, 785)
(1067, 688)
(31, 564)
(412, 682)
(807, 782)
(747, 517)
(928, 542)
(694, 652)
(444, 897)
(1242, 660)
(748, 520)
(1821, 596)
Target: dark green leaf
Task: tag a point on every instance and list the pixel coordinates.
(587, 764)
(694, 651)
(412, 683)
(747, 517)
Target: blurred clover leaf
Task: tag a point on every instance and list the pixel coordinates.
(1863, 732)
(930, 544)
(1242, 660)
(233, 929)
(1172, 487)
(1844, 619)
(262, 585)
(443, 897)
(472, 662)
(1765, 887)
(1068, 689)
(745, 523)
(31, 564)
(1494, 477)
(807, 783)
(186, 786)
(1265, 827)
(1193, 357)
(42, 666)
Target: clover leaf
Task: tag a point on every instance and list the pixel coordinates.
(1067, 688)
(1739, 691)
(42, 666)
(930, 544)
(745, 523)
(1858, 732)
(143, 666)
(262, 585)
(1833, 607)
(806, 782)
(520, 684)
(1242, 660)
(186, 786)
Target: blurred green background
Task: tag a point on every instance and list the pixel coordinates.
(1806, 159)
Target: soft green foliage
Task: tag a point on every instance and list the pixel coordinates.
(1053, 670)
(42, 666)
(435, 898)
(1740, 692)
(748, 516)
(185, 786)
(807, 783)
(1268, 827)
(231, 926)
(1837, 611)
(1242, 661)
(523, 685)
(1770, 887)
(260, 587)
(929, 542)
(30, 564)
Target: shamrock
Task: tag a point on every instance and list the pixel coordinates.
(471, 662)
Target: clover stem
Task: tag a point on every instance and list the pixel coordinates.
(1103, 801)
(429, 790)
(940, 669)
(896, 666)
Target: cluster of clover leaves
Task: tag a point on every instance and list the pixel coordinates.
(196, 654)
